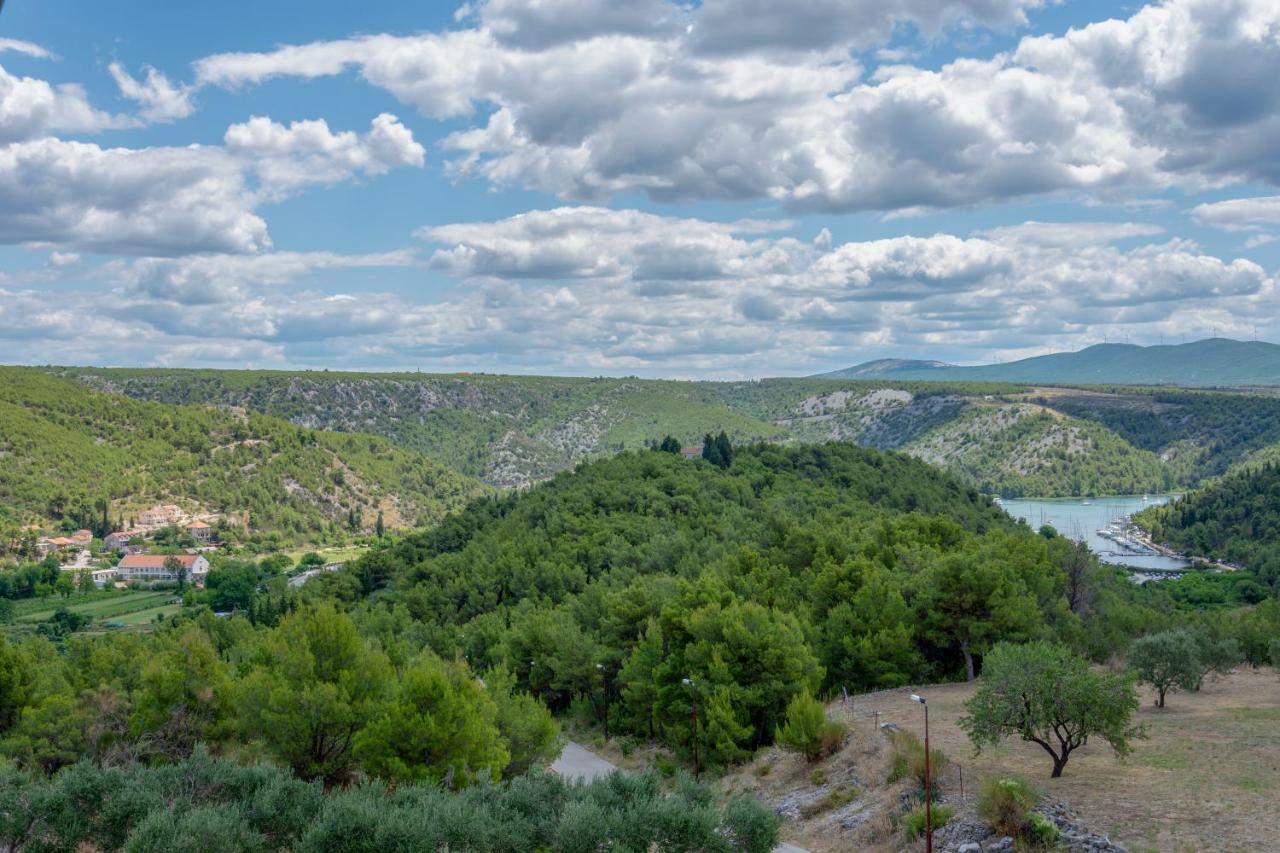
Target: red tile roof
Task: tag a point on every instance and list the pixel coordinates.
(155, 561)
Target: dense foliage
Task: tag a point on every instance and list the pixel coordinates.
(80, 457)
(512, 431)
(210, 805)
(792, 569)
(1236, 519)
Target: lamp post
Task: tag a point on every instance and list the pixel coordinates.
(928, 792)
(604, 678)
(693, 692)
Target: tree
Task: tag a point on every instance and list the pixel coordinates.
(318, 685)
(183, 696)
(711, 451)
(379, 527)
(725, 449)
(232, 585)
(440, 726)
(174, 566)
(669, 445)
(16, 676)
(802, 732)
(1048, 696)
(526, 725)
(969, 601)
(1167, 661)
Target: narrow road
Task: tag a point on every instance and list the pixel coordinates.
(578, 762)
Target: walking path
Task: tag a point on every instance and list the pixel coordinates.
(577, 762)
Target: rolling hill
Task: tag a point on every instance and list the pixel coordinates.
(513, 431)
(1211, 363)
(64, 448)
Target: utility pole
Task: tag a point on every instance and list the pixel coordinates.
(604, 678)
(693, 692)
(928, 788)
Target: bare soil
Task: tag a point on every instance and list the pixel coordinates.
(1206, 779)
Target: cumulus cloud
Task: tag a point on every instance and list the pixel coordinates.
(748, 105)
(30, 108)
(741, 25)
(307, 152)
(1239, 214)
(136, 201)
(161, 100)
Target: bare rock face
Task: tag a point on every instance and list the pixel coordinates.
(969, 834)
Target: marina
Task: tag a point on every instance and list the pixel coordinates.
(1104, 524)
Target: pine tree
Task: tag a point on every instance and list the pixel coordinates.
(378, 527)
(711, 451)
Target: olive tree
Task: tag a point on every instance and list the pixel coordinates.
(1167, 661)
(1046, 695)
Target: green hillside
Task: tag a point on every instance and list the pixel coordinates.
(513, 431)
(1234, 519)
(1215, 362)
(65, 448)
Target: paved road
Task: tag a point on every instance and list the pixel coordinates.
(578, 762)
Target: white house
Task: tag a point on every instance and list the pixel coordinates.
(151, 567)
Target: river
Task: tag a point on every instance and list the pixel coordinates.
(1082, 518)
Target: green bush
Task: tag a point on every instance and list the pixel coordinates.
(906, 761)
(806, 727)
(752, 827)
(1004, 803)
(1041, 831)
(913, 822)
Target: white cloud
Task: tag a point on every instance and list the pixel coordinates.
(135, 201)
(63, 259)
(758, 102)
(30, 108)
(25, 47)
(160, 99)
(1239, 214)
(307, 152)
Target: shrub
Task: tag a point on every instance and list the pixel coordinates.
(1004, 803)
(664, 764)
(802, 732)
(913, 821)
(906, 761)
(1041, 831)
(216, 829)
(752, 827)
(836, 798)
(1275, 653)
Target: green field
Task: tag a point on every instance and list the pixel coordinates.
(118, 607)
(147, 616)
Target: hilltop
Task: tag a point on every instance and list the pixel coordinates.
(1210, 363)
(513, 431)
(66, 448)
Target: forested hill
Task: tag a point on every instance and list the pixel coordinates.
(1236, 519)
(65, 449)
(809, 567)
(512, 431)
(1215, 362)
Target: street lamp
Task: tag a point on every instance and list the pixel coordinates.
(928, 793)
(697, 765)
(604, 678)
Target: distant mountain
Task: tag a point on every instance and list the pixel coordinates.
(1215, 362)
(883, 367)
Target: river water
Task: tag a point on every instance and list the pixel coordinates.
(1082, 518)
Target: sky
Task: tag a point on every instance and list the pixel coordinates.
(715, 189)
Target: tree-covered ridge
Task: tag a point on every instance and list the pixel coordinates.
(1235, 519)
(792, 569)
(514, 431)
(1208, 433)
(65, 448)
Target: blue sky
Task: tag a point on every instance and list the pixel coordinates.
(653, 188)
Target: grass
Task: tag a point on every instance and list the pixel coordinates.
(147, 616)
(100, 607)
(1205, 779)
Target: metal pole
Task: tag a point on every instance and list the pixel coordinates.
(928, 793)
(697, 764)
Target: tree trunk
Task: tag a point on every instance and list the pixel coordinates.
(968, 660)
(1160, 702)
(1058, 764)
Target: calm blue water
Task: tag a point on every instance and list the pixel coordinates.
(1081, 518)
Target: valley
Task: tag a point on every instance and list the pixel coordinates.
(510, 432)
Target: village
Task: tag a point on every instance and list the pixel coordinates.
(163, 544)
